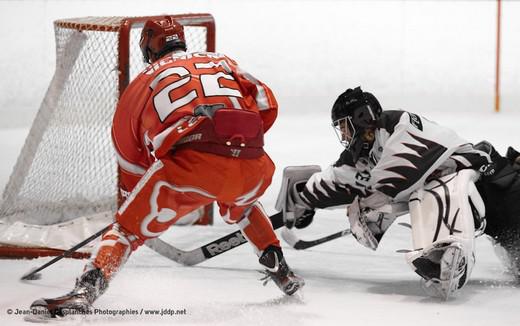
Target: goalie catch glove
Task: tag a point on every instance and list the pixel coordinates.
(359, 226)
(369, 225)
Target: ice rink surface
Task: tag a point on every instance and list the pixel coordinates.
(346, 283)
(434, 58)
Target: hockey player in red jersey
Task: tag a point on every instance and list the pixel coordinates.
(397, 162)
(187, 131)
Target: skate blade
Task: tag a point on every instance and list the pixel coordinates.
(38, 319)
(40, 314)
(47, 318)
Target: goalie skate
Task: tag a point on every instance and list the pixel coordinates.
(447, 270)
(278, 271)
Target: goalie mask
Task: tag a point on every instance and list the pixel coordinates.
(161, 36)
(354, 116)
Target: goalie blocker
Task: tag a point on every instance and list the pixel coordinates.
(294, 210)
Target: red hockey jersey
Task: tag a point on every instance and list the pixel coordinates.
(162, 99)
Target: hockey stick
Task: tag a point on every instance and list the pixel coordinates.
(209, 250)
(33, 273)
(299, 244)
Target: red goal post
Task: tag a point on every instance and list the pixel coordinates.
(64, 184)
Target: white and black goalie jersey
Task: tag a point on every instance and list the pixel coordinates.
(408, 149)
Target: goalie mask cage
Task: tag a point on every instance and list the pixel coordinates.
(64, 184)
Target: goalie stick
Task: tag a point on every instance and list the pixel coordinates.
(209, 250)
(291, 238)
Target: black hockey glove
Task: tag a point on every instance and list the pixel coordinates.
(305, 219)
(487, 170)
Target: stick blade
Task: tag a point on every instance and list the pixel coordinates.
(187, 258)
(31, 275)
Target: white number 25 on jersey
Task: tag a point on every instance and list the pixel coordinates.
(167, 100)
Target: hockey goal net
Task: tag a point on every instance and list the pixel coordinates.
(64, 185)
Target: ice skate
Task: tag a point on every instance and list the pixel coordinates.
(443, 270)
(278, 271)
(77, 302)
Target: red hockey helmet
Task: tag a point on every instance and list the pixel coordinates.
(161, 36)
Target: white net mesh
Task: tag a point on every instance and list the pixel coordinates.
(67, 167)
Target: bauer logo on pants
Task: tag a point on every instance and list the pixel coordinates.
(216, 248)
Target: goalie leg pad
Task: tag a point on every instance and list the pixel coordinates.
(443, 216)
